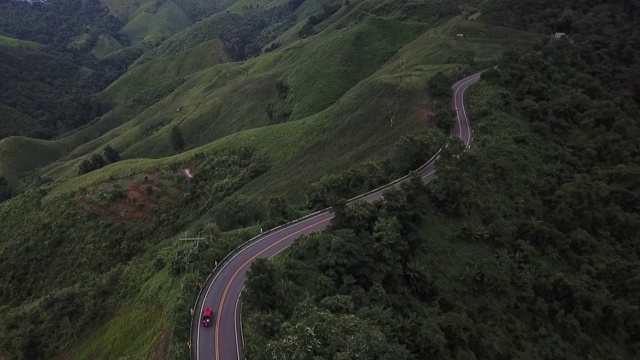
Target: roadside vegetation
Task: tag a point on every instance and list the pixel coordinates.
(524, 247)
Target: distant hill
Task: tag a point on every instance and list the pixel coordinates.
(88, 43)
(20, 157)
(105, 45)
(9, 41)
(156, 24)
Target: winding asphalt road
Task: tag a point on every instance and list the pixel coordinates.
(222, 291)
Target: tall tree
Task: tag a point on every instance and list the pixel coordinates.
(111, 155)
(5, 190)
(177, 142)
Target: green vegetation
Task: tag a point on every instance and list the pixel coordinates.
(167, 20)
(14, 122)
(8, 41)
(130, 228)
(98, 161)
(57, 23)
(49, 86)
(105, 45)
(242, 5)
(243, 34)
(159, 71)
(135, 207)
(5, 190)
(524, 247)
(133, 332)
(45, 94)
(138, 329)
(20, 157)
(205, 133)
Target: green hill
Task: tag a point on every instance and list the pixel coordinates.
(195, 9)
(105, 45)
(9, 41)
(159, 71)
(241, 5)
(156, 26)
(20, 157)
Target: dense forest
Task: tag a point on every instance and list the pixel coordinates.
(53, 93)
(55, 23)
(47, 91)
(526, 246)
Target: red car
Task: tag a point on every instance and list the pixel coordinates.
(206, 317)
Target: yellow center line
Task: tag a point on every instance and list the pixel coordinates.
(226, 290)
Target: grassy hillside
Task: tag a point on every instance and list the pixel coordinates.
(138, 329)
(195, 9)
(157, 26)
(9, 41)
(147, 134)
(156, 72)
(20, 157)
(226, 113)
(241, 5)
(121, 8)
(105, 45)
(208, 29)
(267, 126)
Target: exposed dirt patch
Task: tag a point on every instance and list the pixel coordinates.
(130, 200)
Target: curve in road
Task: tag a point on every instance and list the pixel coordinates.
(222, 291)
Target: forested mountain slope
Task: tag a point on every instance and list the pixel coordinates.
(524, 247)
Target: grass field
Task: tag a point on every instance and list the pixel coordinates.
(120, 8)
(9, 41)
(132, 333)
(138, 331)
(105, 45)
(210, 108)
(238, 5)
(20, 157)
(156, 72)
(210, 105)
(166, 21)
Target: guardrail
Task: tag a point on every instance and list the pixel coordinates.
(251, 241)
(232, 254)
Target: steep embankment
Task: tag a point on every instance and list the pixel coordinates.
(21, 157)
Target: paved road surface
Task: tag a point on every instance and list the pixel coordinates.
(223, 341)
